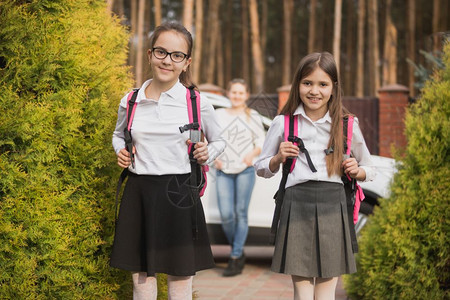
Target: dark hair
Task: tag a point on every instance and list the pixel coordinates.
(185, 77)
(307, 65)
(247, 88)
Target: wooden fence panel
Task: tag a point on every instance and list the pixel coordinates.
(366, 109)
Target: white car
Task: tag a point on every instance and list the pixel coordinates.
(262, 204)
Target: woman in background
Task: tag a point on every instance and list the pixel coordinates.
(244, 134)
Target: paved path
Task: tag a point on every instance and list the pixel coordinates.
(256, 282)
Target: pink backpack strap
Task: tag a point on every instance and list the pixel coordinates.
(189, 105)
(359, 195)
(348, 127)
(130, 117)
(349, 134)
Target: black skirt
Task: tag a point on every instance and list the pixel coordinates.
(313, 238)
(161, 228)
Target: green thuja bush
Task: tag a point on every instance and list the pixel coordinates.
(404, 249)
(62, 74)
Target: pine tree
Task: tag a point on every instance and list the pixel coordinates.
(62, 73)
(404, 249)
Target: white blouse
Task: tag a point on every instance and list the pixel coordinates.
(160, 147)
(242, 134)
(315, 136)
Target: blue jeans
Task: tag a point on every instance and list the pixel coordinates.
(233, 193)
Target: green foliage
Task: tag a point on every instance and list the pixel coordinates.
(422, 73)
(404, 249)
(62, 73)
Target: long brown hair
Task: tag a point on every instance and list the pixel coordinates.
(185, 77)
(247, 89)
(307, 65)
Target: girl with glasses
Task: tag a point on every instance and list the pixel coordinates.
(154, 234)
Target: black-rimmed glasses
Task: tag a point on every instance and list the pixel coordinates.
(176, 56)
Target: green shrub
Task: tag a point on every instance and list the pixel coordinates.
(62, 73)
(404, 249)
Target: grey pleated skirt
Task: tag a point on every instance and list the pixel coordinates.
(313, 238)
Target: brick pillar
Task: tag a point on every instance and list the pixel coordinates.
(211, 88)
(393, 101)
(283, 95)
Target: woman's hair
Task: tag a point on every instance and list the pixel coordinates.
(307, 65)
(247, 89)
(185, 77)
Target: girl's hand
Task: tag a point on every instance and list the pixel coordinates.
(351, 168)
(201, 151)
(248, 159)
(218, 164)
(287, 149)
(123, 158)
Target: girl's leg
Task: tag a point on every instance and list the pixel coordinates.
(179, 287)
(225, 199)
(326, 288)
(245, 182)
(144, 287)
(303, 287)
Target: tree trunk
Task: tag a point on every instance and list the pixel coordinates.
(258, 68)
(133, 21)
(188, 11)
(360, 55)
(109, 5)
(212, 40)
(146, 71)
(264, 19)
(390, 49)
(229, 42)
(436, 18)
(245, 43)
(197, 57)
(140, 43)
(337, 32)
(411, 44)
(219, 60)
(374, 47)
(158, 12)
(288, 6)
(312, 27)
(349, 83)
(118, 7)
(319, 25)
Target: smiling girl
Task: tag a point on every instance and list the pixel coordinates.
(153, 234)
(313, 242)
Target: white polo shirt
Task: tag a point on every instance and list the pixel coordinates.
(160, 147)
(315, 135)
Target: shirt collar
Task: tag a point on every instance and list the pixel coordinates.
(301, 111)
(177, 91)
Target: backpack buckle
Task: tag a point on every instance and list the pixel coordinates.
(189, 126)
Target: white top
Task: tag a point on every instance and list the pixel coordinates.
(315, 136)
(160, 147)
(242, 134)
